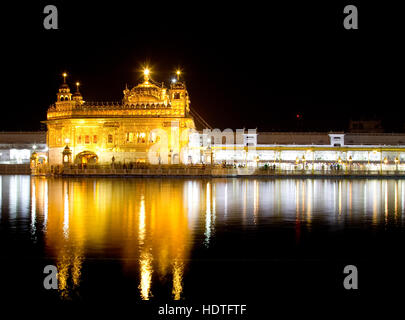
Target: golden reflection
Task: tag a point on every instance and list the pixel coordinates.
(244, 186)
(214, 204)
(340, 196)
(33, 208)
(226, 200)
(178, 269)
(256, 200)
(386, 202)
(303, 197)
(297, 199)
(396, 200)
(375, 199)
(64, 236)
(142, 221)
(69, 264)
(45, 205)
(208, 215)
(350, 198)
(1, 194)
(403, 197)
(146, 225)
(66, 212)
(146, 274)
(145, 260)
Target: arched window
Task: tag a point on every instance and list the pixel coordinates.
(110, 138)
(141, 137)
(152, 137)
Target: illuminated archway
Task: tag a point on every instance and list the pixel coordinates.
(86, 157)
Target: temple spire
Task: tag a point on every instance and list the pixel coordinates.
(146, 73)
(77, 96)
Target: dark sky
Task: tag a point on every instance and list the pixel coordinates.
(246, 64)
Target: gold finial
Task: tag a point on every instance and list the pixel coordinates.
(64, 77)
(178, 72)
(77, 85)
(146, 73)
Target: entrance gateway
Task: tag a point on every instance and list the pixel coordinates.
(86, 157)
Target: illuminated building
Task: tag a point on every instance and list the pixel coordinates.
(17, 147)
(152, 124)
(292, 151)
(129, 131)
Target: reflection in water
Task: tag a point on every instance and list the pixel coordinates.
(375, 200)
(18, 189)
(66, 211)
(151, 226)
(208, 215)
(145, 259)
(33, 210)
(45, 205)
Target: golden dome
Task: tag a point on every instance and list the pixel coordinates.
(146, 93)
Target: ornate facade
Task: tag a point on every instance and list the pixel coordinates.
(150, 125)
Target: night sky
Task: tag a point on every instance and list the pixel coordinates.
(245, 64)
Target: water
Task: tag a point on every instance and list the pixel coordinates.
(199, 240)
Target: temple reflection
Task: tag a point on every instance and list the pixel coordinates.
(150, 226)
(146, 225)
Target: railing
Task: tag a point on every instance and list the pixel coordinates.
(15, 169)
(212, 171)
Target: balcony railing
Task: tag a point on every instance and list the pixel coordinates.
(201, 170)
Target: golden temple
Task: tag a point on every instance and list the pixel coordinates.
(151, 124)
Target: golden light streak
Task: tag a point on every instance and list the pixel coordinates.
(375, 209)
(208, 214)
(153, 237)
(396, 199)
(386, 201)
(146, 269)
(66, 212)
(178, 269)
(146, 275)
